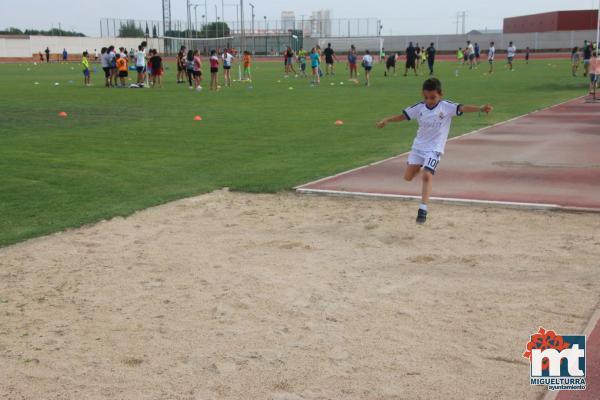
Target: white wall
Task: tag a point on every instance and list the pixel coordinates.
(21, 47)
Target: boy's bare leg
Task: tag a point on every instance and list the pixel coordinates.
(411, 172)
(427, 185)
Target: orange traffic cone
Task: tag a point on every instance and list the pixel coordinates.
(62, 114)
(339, 122)
(197, 118)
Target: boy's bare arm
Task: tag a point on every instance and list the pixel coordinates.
(486, 108)
(395, 118)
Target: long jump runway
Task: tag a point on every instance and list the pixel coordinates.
(546, 159)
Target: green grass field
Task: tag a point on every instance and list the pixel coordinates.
(122, 150)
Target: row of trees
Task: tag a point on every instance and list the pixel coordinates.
(211, 30)
(131, 30)
(36, 32)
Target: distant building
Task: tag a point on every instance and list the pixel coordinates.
(288, 20)
(321, 23)
(578, 20)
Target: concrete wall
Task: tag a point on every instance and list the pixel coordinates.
(536, 41)
(25, 47)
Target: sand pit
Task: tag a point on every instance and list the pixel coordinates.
(237, 296)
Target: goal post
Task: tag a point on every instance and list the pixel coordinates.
(204, 45)
(342, 45)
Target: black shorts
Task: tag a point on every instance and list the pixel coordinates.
(391, 64)
(139, 69)
(471, 56)
(214, 70)
(410, 63)
(123, 74)
(106, 71)
(226, 66)
(179, 68)
(329, 61)
(196, 73)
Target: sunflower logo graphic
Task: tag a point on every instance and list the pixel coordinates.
(544, 340)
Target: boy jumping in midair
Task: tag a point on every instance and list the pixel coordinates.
(434, 116)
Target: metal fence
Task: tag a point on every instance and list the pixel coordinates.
(305, 26)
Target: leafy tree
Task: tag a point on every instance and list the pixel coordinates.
(215, 29)
(11, 31)
(130, 30)
(36, 32)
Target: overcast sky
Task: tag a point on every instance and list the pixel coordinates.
(398, 16)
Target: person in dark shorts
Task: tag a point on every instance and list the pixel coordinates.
(430, 57)
(47, 51)
(214, 70)
(390, 64)
(122, 67)
(411, 59)
(157, 68)
(587, 56)
(181, 56)
(105, 64)
(527, 54)
(330, 58)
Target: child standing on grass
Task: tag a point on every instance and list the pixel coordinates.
(434, 116)
(302, 62)
(157, 68)
(247, 66)
(122, 67)
(197, 70)
(367, 63)
(352, 58)
(85, 65)
(315, 62)
(214, 70)
(227, 64)
(511, 52)
(491, 56)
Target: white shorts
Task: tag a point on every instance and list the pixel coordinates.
(427, 159)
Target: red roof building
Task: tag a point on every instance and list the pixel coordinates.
(578, 20)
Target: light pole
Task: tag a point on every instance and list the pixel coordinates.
(196, 20)
(253, 35)
(266, 36)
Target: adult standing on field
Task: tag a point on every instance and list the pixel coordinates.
(47, 51)
(411, 59)
(227, 64)
(65, 55)
(470, 53)
(511, 52)
(352, 62)
(430, 57)
(330, 57)
(140, 64)
(491, 56)
(587, 56)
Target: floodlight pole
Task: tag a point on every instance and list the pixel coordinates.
(241, 15)
(253, 33)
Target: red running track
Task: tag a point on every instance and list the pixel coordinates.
(547, 159)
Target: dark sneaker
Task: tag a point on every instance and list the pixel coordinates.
(421, 216)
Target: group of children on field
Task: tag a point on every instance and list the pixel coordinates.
(589, 59)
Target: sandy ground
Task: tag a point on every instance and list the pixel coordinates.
(287, 297)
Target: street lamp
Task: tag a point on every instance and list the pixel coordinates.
(253, 35)
(266, 36)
